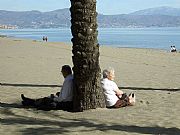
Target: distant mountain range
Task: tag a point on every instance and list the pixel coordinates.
(153, 17)
(159, 11)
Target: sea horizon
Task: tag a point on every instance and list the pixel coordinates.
(152, 38)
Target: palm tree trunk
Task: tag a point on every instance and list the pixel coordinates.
(88, 93)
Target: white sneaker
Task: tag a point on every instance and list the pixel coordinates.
(132, 99)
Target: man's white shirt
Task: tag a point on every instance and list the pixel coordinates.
(66, 93)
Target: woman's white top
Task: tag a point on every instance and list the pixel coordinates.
(109, 88)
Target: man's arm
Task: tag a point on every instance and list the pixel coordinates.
(66, 92)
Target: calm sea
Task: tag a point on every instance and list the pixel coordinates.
(157, 38)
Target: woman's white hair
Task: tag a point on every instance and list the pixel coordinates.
(107, 71)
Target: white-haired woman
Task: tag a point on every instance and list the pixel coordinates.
(114, 97)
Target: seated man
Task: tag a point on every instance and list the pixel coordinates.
(114, 97)
(173, 49)
(62, 100)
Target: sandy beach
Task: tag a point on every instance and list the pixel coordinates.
(33, 68)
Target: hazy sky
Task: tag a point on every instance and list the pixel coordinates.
(103, 6)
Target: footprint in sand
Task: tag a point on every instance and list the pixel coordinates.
(147, 102)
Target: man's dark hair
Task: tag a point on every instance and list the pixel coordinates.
(67, 68)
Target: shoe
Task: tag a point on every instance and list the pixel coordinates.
(23, 97)
(132, 99)
(27, 101)
(132, 95)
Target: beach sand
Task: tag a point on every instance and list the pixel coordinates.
(33, 68)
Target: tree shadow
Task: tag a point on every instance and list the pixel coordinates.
(29, 85)
(46, 85)
(141, 88)
(69, 126)
(64, 125)
(12, 105)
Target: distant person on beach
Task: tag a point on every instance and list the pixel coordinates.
(173, 49)
(114, 97)
(62, 100)
(45, 38)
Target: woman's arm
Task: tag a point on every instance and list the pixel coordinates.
(118, 92)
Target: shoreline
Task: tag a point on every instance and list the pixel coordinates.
(150, 42)
(70, 43)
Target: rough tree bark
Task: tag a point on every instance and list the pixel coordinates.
(88, 93)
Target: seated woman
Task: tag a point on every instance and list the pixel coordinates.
(114, 97)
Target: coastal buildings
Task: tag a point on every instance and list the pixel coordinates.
(7, 27)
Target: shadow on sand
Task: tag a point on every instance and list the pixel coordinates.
(13, 105)
(64, 125)
(45, 85)
(28, 85)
